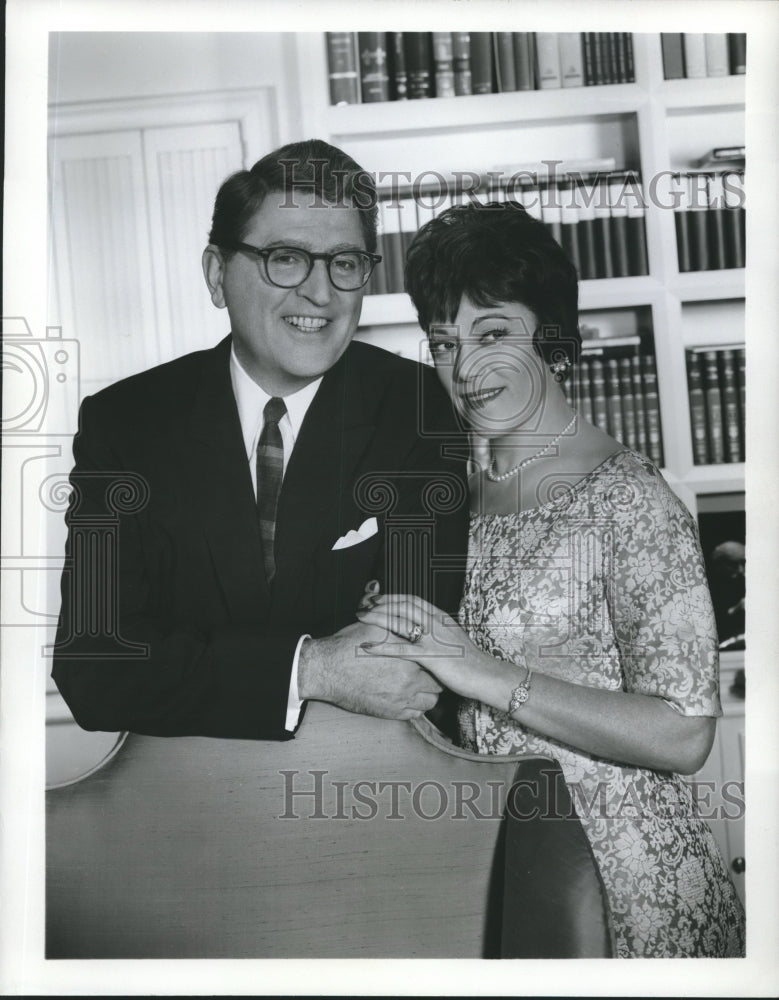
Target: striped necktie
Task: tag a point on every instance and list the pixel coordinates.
(270, 470)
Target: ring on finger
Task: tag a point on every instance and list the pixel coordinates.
(415, 633)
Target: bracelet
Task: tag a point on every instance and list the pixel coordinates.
(521, 693)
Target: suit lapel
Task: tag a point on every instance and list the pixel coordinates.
(316, 505)
(221, 488)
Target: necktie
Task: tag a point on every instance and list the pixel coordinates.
(270, 469)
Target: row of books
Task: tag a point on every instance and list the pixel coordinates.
(710, 220)
(699, 55)
(369, 66)
(614, 386)
(598, 219)
(716, 380)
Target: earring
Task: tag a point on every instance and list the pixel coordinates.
(560, 368)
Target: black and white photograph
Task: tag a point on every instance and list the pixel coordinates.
(389, 418)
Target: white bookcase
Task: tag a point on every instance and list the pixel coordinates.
(653, 125)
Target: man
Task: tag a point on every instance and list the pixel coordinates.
(228, 599)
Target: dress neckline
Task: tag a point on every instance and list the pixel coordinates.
(565, 497)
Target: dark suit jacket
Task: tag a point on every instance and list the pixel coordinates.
(168, 626)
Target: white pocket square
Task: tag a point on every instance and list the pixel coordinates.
(365, 531)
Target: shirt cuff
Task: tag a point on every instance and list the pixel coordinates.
(294, 704)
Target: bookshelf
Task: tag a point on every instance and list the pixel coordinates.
(654, 126)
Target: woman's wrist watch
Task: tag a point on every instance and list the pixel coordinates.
(521, 692)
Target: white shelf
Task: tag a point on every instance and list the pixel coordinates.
(436, 114)
(687, 96)
(725, 478)
(701, 286)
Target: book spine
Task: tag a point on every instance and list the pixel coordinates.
(481, 62)
(506, 72)
(638, 398)
(377, 284)
(374, 75)
(547, 61)
(418, 64)
(467, 51)
(589, 59)
(628, 402)
(398, 76)
(408, 223)
(600, 415)
(700, 448)
(734, 218)
(619, 226)
(639, 263)
(584, 195)
(551, 212)
(614, 401)
(717, 60)
(393, 245)
(737, 52)
(698, 221)
(603, 238)
(598, 59)
(631, 65)
(682, 223)
(694, 55)
(569, 223)
(741, 380)
(730, 407)
(713, 407)
(342, 67)
(443, 60)
(583, 386)
(523, 60)
(673, 55)
(622, 57)
(718, 251)
(652, 409)
(571, 59)
(611, 49)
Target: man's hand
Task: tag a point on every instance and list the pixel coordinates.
(336, 669)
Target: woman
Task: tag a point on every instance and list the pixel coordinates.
(586, 631)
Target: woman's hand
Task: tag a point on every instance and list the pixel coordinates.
(419, 631)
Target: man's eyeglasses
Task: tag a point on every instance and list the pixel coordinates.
(288, 267)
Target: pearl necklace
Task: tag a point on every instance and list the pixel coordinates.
(493, 476)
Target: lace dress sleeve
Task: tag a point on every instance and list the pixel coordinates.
(659, 598)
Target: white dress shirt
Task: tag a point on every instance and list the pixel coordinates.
(251, 400)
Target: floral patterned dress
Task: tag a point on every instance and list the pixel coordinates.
(604, 586)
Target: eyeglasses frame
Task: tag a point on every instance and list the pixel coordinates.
(262, 253)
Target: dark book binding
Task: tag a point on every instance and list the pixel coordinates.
(714, 422)
(482, 62)
(730, 409)
(654, 432)
(397, 66)
(374, 70)
(628, 402)
(673, 55)
(737, 52)
(614, 401)
(700, 447)
(638, 398)
(419, 64)
(598, 391)
(467, 47)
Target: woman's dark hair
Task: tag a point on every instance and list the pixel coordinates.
(491, 254)
(311, 173)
